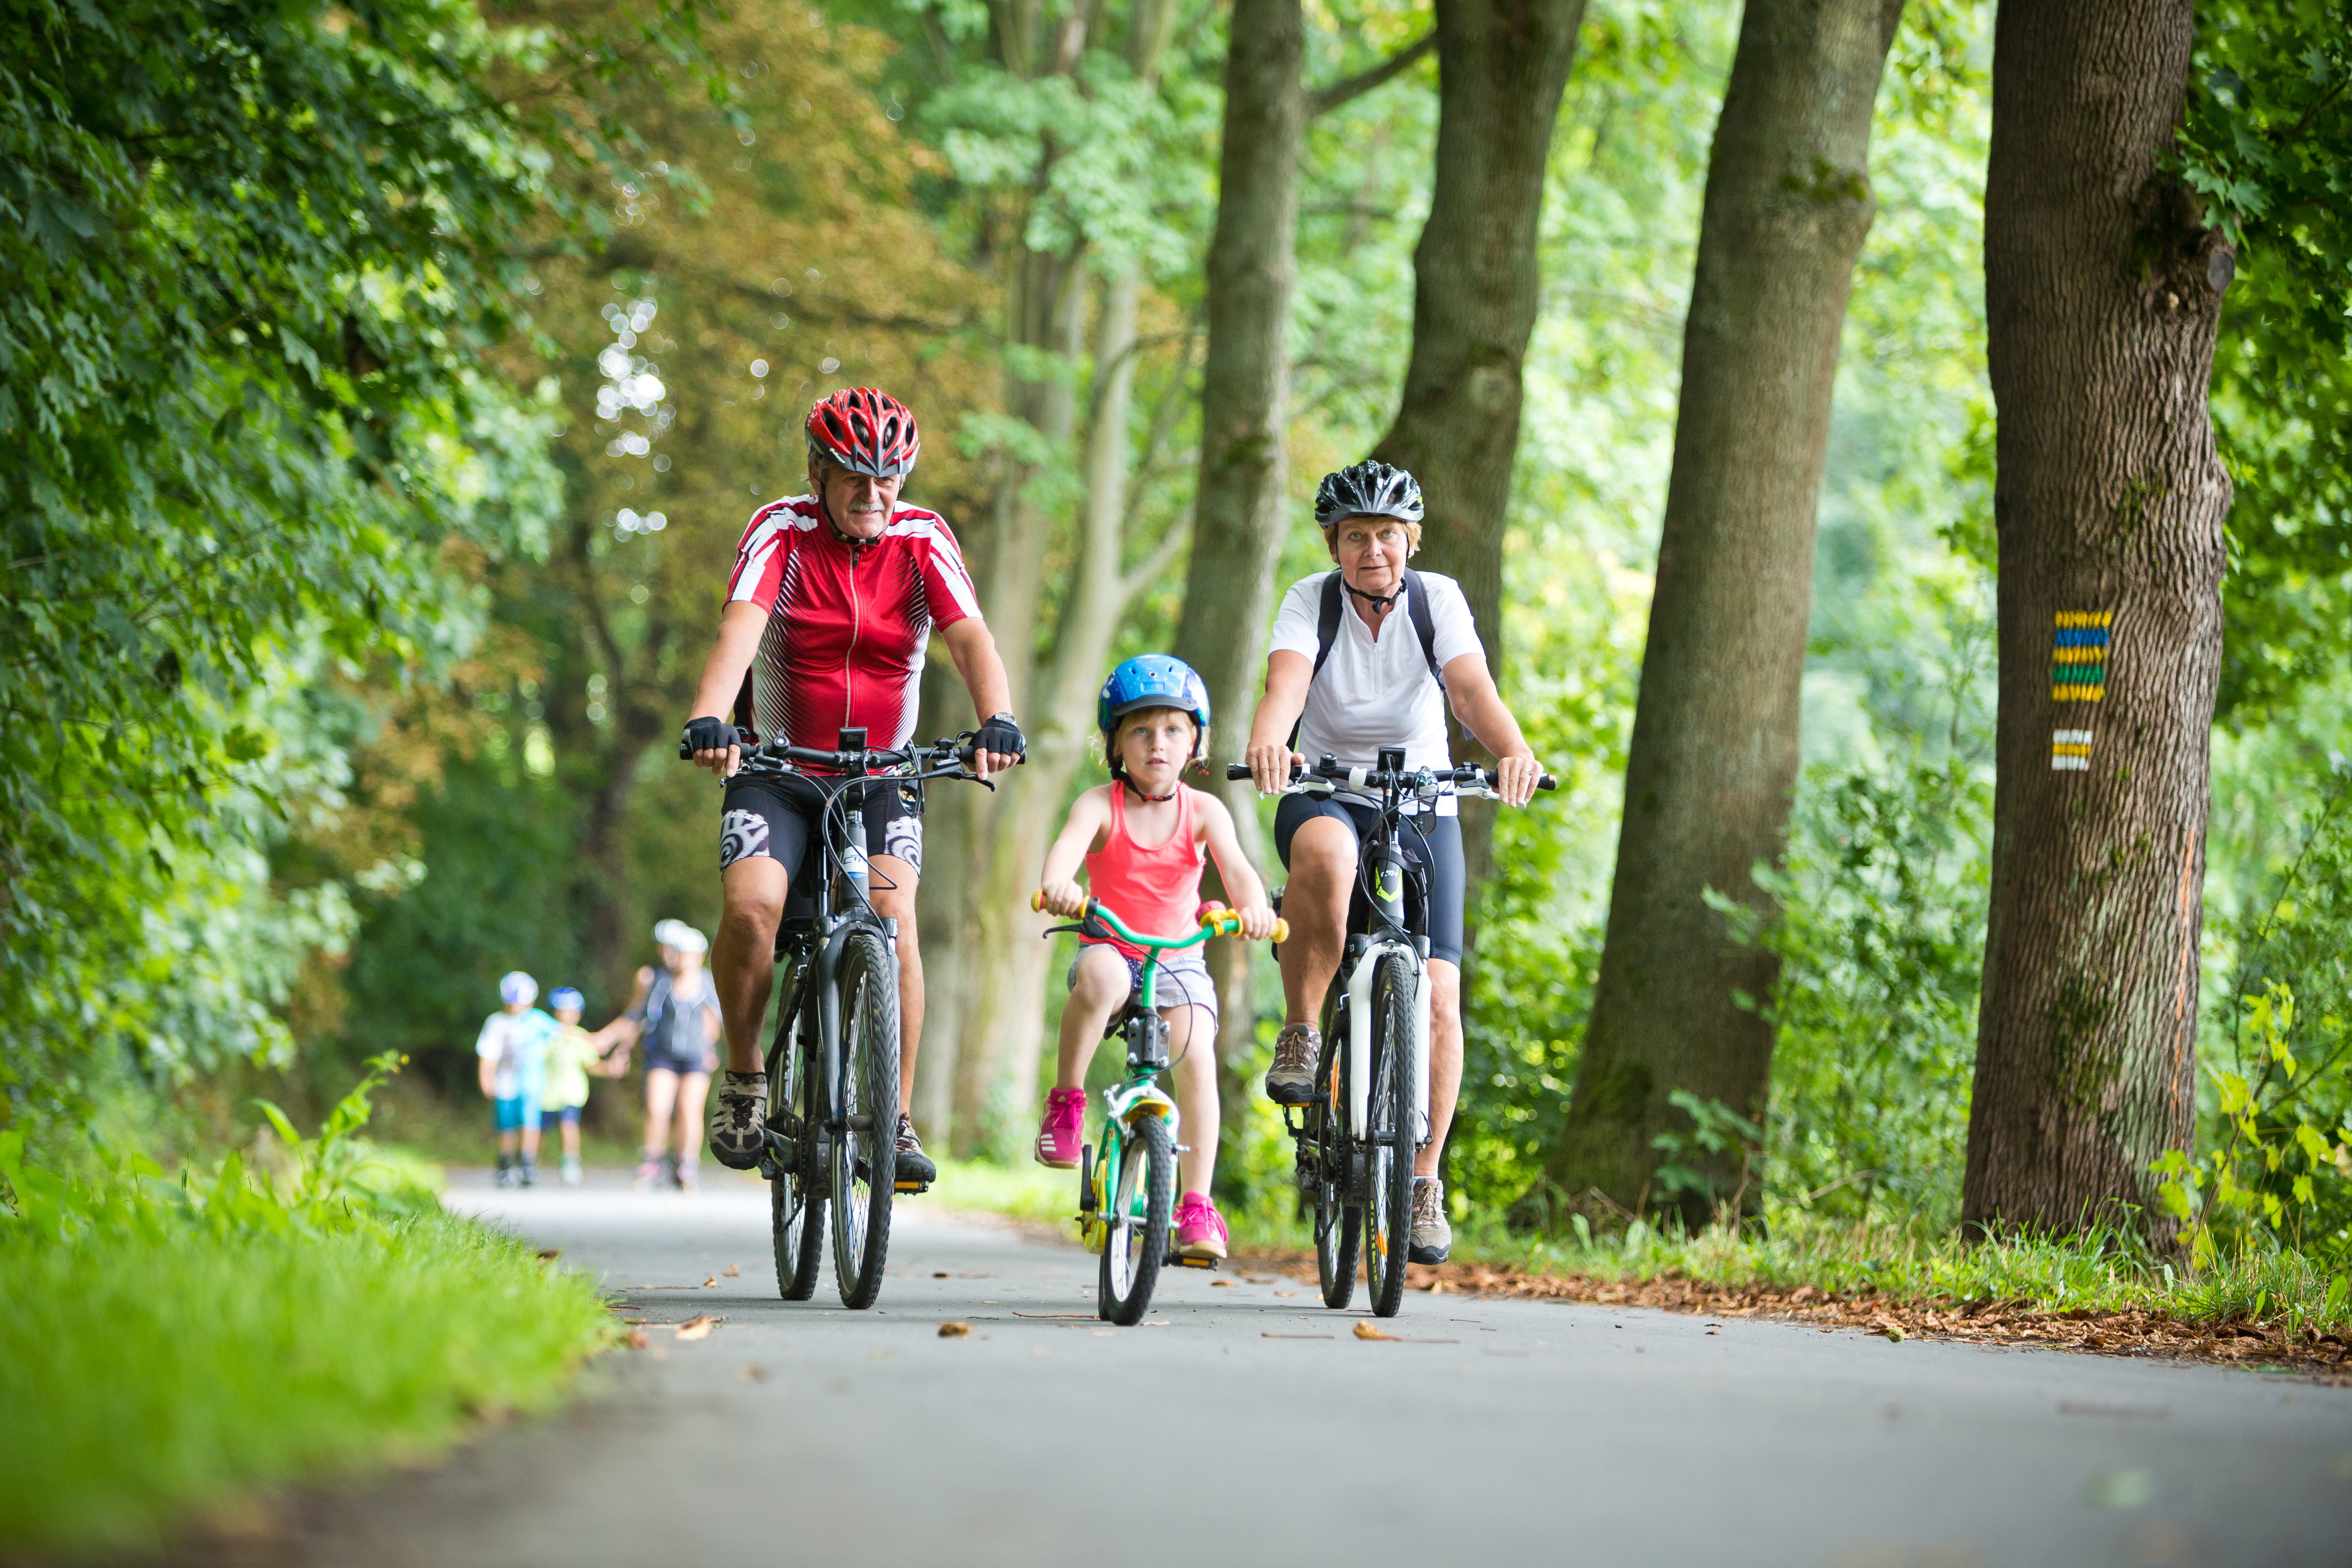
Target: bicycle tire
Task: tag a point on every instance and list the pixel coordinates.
(1339, 1227)
(796, 1198)
(866, 1159)
(1135, 1249)
(1388, 1206)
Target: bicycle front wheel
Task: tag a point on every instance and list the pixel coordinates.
(1142, 1202)
(866, 1147)
(797, 1190)
(1388, 1207)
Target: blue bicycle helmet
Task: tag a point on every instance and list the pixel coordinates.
(565, 996)
(1155, 680)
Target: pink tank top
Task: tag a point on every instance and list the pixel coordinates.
(1157, 891)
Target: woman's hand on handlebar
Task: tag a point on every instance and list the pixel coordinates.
(1516, 779)
(1067, 899)
(1269, 767)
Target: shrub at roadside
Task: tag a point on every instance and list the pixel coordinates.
(165, 1342)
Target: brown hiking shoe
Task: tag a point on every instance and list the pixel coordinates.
(1291, 1079)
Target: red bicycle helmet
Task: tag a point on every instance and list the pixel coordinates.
(865, 431)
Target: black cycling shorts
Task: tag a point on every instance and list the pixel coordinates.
(776, 815)
(1432, 841)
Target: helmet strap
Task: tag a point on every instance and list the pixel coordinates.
(1148, 799)
(1375, 600)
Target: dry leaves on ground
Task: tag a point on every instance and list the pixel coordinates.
(2126, 1333)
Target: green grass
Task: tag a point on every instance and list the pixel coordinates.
(1911, 1263)
(167, 1345)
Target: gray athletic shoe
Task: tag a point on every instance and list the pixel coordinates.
(1433, 1238)
(1291, 1079)
(913, 1168)
(738, 1120)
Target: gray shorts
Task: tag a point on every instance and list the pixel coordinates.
(1183, 979)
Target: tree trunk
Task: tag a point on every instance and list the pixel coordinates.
(1238, 509)
(2102, 295)
(1714, 755)
(1501, 67)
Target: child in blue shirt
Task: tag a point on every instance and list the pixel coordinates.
(513, 1051)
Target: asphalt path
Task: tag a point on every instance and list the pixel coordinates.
(1245, 1424)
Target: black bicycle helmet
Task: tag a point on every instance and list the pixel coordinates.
(1369, 488)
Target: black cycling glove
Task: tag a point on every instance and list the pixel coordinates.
(1001, 734)
(706, 734)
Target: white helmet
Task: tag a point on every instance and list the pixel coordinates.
(516, 988)
(681, 936)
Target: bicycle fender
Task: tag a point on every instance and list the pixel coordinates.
(1360, 1034)
(1130, 1102)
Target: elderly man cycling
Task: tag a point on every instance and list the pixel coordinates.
(1367, 655)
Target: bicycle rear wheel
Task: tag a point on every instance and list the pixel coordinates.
(866, 1147)
(1142, 1199)
(1337, 1227)
(795, 1194)
(1388, 1208)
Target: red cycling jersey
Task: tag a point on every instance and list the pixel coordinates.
(846, 624)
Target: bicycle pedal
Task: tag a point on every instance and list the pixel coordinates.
(912, 1187)
(1182, 1262)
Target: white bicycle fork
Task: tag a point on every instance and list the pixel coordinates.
(1360, 1037)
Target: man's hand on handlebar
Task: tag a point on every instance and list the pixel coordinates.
(1516, 779)
(716, 744)
(1269, 767)
(1067, 899)
(997, 746)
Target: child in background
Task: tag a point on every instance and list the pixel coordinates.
(513, 1051)
(572, 1055)
(1144, 838)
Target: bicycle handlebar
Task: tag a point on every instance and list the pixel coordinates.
(1216, 919)
(1334, 773)
(859, 760)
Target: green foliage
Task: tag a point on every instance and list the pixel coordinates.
(1880, 934)
(161, 1340)
(2268, 146)
(257, 254)
(2277, 1101)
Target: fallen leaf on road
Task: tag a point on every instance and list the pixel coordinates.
(707, 1284)
(1222, 1284)
(954, 1330)
(550, 1253)
(1439, 1288)
(698, 1328)
(755, 1372)
(1366, 1331)
(1285, 1292)
(636, 1339)
(939, 1273)
(732, 1269)
(1894, 1332)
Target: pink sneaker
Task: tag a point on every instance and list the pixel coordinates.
(1065, 1123)
(1200, 1228)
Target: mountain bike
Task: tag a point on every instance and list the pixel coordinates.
(1126, 1196)
(833, 1066)
(1369, 1116)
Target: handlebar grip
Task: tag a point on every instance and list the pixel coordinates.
(1038, 901)
(1547, 781)
(1281, 930)
(685, 751)
(1237, 771)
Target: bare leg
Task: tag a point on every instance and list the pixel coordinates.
(692, 1086)
(1191, 1042)
(529, 1142)
(1100, 990)
(743, 960)
(661, 1094)
(892, 888)
(572, 1139)
(1322, 874)
(508, 1144)
(1445, 1060)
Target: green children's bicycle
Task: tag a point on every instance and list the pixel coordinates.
(1126, 1183)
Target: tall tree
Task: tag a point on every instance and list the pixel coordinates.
(2102, 293)
(1237, 522)
(1501, 68)
(1713, 754)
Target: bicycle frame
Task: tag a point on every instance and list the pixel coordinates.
(1383, 870)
